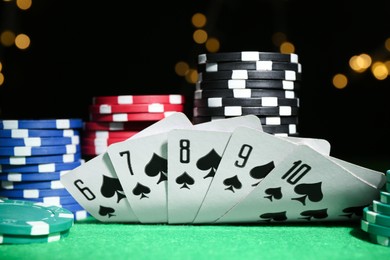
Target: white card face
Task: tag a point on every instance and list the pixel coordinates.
(373, 177)
(307, 186)
(194, 156)
(85, 183)
(95, 186)
(320, 145)
(249, 156)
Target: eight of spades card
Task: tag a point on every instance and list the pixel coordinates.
(249, 156)
(95, 184)
(307, 186)
(194, 155)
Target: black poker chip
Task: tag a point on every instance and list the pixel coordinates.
(264, 120)
(244, 93)
(247, 102)
(251, 84)
(249, 65)
(247, 56)
(280, 129)
(240, 111)
(250, 74)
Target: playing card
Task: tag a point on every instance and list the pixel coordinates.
(194, 156)
(95, 184)
(249, 156)
(320, 145)
(306, 186)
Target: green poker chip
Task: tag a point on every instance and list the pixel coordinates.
(376, 218)
(385, 197)
(381, 240)
(374, 228)
(388, 175)
(21, 217)
(26, 239)
(381, 207)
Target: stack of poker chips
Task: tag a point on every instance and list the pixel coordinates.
(264, 84)
(376, 217)
(116, 118)
(26, 222)
(33, 156)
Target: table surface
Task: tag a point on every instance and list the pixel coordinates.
(91, 239)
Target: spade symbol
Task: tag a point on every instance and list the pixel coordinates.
(275, 216)
(140, 189)
(317, 214)
(185, 179)
(311, 191)
(275, 193)
(209, 162)
(110, 187)
(232, 183)
(106, 211)
(157, 165)
(351, 211)
(259, 172)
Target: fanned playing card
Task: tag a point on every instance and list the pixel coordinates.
(194, 156)
(95, 184)
(307, 186)
(249, 156)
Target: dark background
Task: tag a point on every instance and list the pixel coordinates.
(82, 49)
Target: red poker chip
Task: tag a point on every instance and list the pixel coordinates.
(93, 149)
(138, 99)
(108, 134)
(135, 108)
(116, 126)
(124, 117)
(101, 141)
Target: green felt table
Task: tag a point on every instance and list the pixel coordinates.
(91, 239)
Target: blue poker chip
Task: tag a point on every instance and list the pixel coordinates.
(73, 207)
(10, 185)
(50, 200)
(42, 124)
(39, 141)
(42, 150)
(25, 160)
(33, 193)
(40, 168)
(19, 177)
(25, 133)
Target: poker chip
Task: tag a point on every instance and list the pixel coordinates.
(278, 129)
(40, 150)
(19, 177)
(239, 111)
(249, 65)
(244, 93)
(108, 134)
(41, 124)
(26, 239)
(381, 240)
(9, 185)
(371, 216)
(381, 207)
(374, 228)
(247, 56)
(25, 160)
(40, 168)
(39, 141)
(33, 193)
(101, 141)
(21, 217)
(265, 120)
(139, 99)
(249, 74)
(26, 133)
(94, 150)
(384, 197)
(115, 126)
(251, 84)
(81, 215)
(247, 102)
(124, 117)
(135, 108)
(59, 201)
